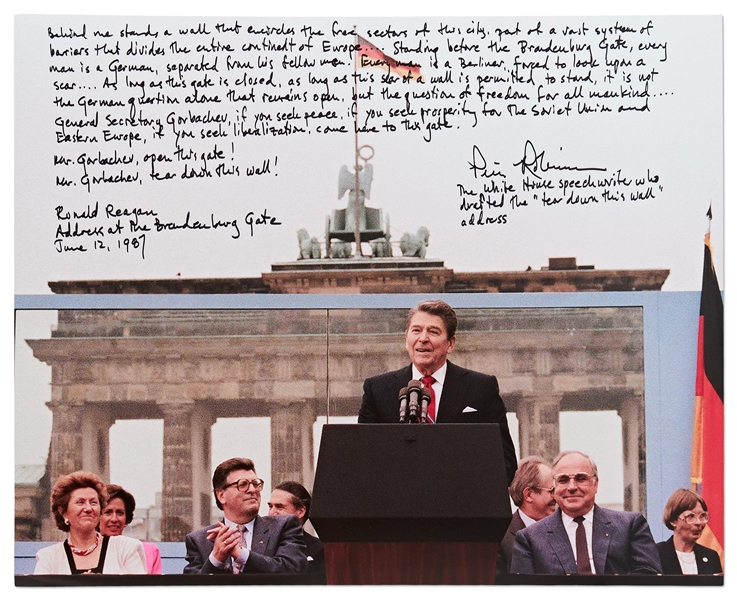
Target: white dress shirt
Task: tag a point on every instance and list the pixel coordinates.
(525, 519)
(437, 387)
(588, 524)
(688, 562)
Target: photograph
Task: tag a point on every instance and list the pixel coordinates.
(254, 254)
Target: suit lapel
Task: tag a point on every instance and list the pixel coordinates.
(394, 384)
(454, 392)
(517, 523)
(560, 544)
(703, 564)
(669, 558)
(402, 378)
(260, 538)
(601, 537)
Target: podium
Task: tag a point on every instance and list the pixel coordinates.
(410, 504)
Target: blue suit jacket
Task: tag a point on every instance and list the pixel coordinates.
(463, 389)
(622, 544)
(276, 547)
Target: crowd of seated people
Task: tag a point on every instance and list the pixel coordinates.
(582, 538)
(94, 516)
(558, 528)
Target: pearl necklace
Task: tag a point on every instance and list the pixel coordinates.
(89, 550)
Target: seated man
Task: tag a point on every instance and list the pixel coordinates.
(532, 493)
(291, 498)
(244, 542)
(580, 537)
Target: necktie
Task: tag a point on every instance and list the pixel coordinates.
(427, 382)
(236, 568)
(583, 565)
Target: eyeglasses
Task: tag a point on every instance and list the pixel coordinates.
(579, 478)
(692, 518)
(244, 484)
(541, 490)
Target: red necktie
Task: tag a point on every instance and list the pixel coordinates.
(427, 382)
(582, 548)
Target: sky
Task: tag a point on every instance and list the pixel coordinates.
(690, 279)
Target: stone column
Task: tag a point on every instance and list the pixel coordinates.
(202, 497)
(177, 517)
(539, 426)
(291, 443)
(632, 413)
(66, 439)
(96, 423)
(65, 455)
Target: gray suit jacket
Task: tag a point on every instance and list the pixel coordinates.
(276, 547)
(622, 544)
(504, 555)
(462, 388)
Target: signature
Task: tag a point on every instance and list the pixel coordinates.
(533, 162)
(478, 165)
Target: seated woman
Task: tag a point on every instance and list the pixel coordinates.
(686, 515)
(117, 514)
(76, 502)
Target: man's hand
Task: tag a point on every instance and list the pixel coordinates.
(228, 542)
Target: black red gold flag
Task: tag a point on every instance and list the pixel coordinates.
(707, 454)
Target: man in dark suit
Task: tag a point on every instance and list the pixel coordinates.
(244, 542)
(291, 498)
(458, 395)
(580, 537)
(532, 493)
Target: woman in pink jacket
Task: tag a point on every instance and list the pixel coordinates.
(117, 514)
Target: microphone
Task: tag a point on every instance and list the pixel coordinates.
(403, 405)
(414, 390)
(426, 398)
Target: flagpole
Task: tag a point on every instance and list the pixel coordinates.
(708, 228)
(357, 209)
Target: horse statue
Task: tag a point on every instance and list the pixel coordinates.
(415, 245)
(308, 247)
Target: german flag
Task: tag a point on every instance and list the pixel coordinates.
(371, 56)
(707, 454)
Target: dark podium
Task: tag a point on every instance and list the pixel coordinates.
(410, 504)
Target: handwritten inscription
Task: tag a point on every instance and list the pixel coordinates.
(138, 103)
(496, 188)
(114, 228)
